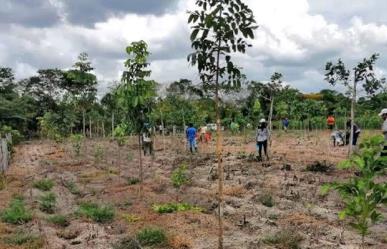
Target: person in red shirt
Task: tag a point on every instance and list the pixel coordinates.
(331, 122)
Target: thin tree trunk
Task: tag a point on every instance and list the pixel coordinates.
(219, 151)
(113, 124)
(163, 130)
(84, 122)
(103, 129)
(353, 104)
(140, 153)
(90, 132)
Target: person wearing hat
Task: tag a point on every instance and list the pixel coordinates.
(383, 115)
(261, 137)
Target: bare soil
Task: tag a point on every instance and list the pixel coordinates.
(297, 204)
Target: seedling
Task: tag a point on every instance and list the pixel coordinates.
(151, 236)
(44, 184)
(98, 213)
(47, 203)
(98, 153)
(133, 180)
(16, 213)
(179, 177)
(362, 195)
(59, 220)
(77, 143)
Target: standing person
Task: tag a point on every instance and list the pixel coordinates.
(191, 137)
(356, 132)
(285, 124)
(331, 122)
(261, 137)
(383, 115)
(147, 141)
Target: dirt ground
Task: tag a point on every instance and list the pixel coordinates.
(297, 205)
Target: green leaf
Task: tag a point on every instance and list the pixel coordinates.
(194, 34)
(342, 214)
(345, 164)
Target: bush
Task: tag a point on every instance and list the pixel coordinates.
(175, 207)
(267, 200)
(59, 220)
(151, 236)
(76, 140)
(285, 239)
(97, 213)
(23, 238)
(44, 184)
(16, 213)
(47, 203)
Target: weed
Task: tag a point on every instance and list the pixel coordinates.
(44, 184)
(175, 207)
(131, 218)
(72, 187)
(77, 143)
(3, 181)
(59, 220)
(47, 203)
(151, 236)
(267, 200)
(133, 180)
(285, 239)
(97, 213)
(25, 239)
(319, 167)
(179, 176)
(16, 213)
(127, 243)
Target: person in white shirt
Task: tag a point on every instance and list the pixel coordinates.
(383, 115)
(261, 137)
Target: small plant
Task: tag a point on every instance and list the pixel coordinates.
(47, 203)
(98, 153)
(72, 187)
(175, 207)
(44, 184)
(151, 236)
(131, 218)
(3, 181)
(361, 194)
(76, 141)
(100, 214)
(127, 243)
(266, 200)
(59, 220)
(24, 238)
(133, 180)
(179, 176)
(286, 239)
(16, 213)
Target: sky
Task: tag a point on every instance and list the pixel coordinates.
(294, 37)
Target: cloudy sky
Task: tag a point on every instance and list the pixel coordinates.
(295, 37)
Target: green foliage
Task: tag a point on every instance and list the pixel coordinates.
(120, 133)
(98, 153)
(361, 194)
(59, 220)
(16, 136)
(267, 200)
(175, 207)
(76, 141)
(16, 213)
(98, 213)
(234, 127)
(179, 176)
(286, 239)
(133, 181)
(44, 184)
(151, 236)
(72, 187)
(47, 202)
(25, 239)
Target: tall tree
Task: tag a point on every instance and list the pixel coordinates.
(363, 73)
(81, 83)
(219, 28)
(136, 93)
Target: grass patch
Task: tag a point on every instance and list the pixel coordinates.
(44, 184)
(98, 213)
(285, 239)
(72, 187)
(25, 239)
(16, 213)
(133, 180)
(267, 200)
(59, 220)
(127, 243)
(174, 207)
(151, 236)
(47, 203)
(131, 218)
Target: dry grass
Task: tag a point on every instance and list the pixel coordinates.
(237, 191)
(180, 242)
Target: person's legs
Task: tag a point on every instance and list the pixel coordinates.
(355, 137)
(265, 147)
(259, 144)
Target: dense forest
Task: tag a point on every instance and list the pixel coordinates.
(55, 103)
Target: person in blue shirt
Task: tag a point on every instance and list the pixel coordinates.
(191, 137)
(285, 124)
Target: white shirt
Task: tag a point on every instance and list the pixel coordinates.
(262, 135)
(384, 129)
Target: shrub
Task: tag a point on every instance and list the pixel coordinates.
(175, 207)
(72, 187)
(44, 184)
(179, 176)
(23, 238)
(286, 239)
(59, 220)
(97, 213)
(47, 203)
(151, 236)
(16, 213)
(76, 140)
(266, 200)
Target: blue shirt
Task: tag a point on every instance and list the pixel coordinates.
(191, 133)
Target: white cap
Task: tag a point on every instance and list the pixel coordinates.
(262, 121)
(384, 111)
